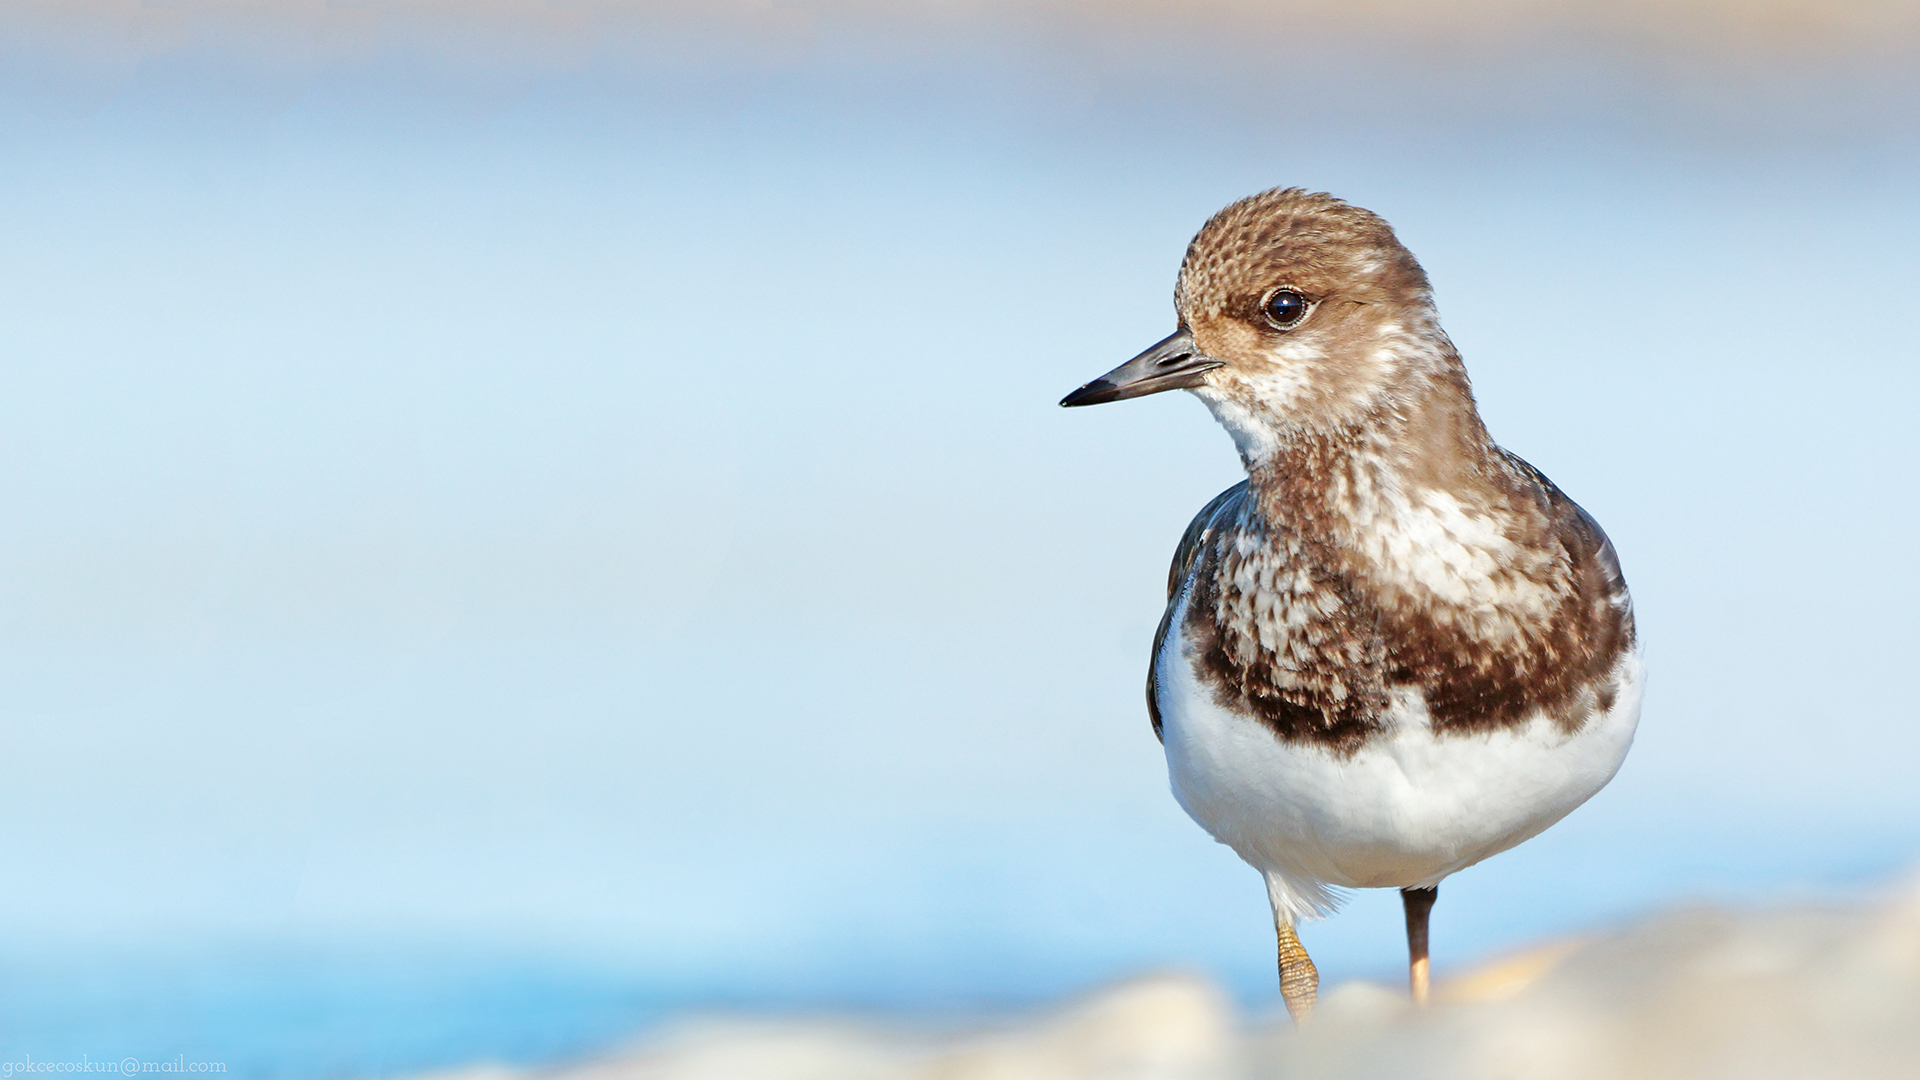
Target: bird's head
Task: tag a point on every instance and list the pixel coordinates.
(1298, 313)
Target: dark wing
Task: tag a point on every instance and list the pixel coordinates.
(1224, 507)
(1606, 609)
(1577, 531)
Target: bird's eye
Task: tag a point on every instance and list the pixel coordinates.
(1285, 308)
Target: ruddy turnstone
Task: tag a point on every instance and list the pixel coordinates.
(1395, 648)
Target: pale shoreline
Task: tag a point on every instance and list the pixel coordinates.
(1788, 992)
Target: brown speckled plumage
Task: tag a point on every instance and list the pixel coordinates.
(1395, 649)
(1307, 608)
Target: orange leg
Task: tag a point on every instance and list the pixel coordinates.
(1299, 981)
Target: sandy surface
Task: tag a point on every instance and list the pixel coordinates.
(1699, 994)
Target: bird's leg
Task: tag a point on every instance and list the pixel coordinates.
(1299, 982)
(1419, 904)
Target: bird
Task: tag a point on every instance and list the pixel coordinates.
(1395, 649)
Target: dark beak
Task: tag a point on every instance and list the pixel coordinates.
(1173, 364)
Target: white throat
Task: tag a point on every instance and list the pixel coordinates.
(1302, 384)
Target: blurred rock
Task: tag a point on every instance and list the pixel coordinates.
(1702, 994)
(1695, 994)
(1165, 1028)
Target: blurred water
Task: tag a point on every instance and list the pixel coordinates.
(628, 520)
(291, 1012)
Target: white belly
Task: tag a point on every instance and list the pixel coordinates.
(1407, 809)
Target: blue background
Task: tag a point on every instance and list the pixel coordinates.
(523, 521)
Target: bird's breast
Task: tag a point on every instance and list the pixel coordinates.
(1318, 634)
(1407, 806)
